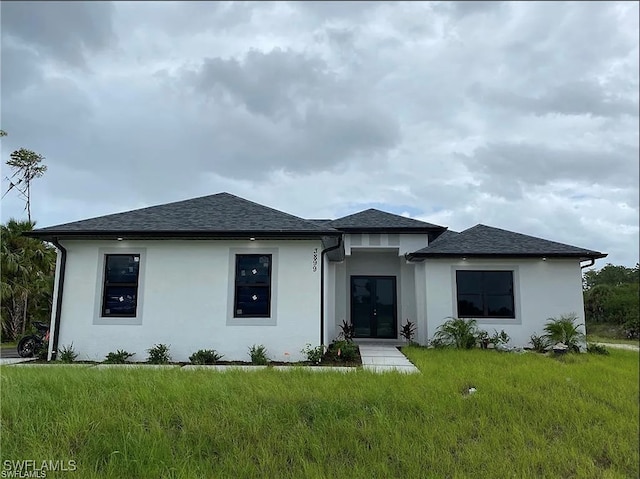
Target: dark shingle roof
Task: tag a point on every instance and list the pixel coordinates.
(221, 214)
(372, 220)
(482, 240)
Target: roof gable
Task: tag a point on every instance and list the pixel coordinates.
(220, 213)
(482, 240)
(373, 219)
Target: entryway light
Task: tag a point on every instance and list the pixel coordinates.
(119, 239)
(252, 239)
(544, 258)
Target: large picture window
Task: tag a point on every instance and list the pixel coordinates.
(252, 286)
(485, 294)
(120, 289)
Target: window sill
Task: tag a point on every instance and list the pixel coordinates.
(485, 320)
(118, 321)
(271, 321)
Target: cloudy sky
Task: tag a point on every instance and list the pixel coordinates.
(522, 116)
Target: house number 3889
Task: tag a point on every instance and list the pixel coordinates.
(315, 260)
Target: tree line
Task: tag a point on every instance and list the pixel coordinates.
(612, 296)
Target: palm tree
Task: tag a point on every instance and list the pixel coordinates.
(26, 278)
(460, 333)
(565, 330)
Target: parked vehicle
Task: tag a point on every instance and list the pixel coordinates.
(29, 345)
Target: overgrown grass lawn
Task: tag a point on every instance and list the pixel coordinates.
(532, 416)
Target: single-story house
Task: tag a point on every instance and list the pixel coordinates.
(221, 272)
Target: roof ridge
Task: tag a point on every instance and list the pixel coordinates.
(201, 201)
(143, 208)
(524, 234)
(376, 218)
(487, 240)
(272, 209)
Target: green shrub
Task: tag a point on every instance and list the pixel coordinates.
(565, 330)
(205, 356)
(499, 337)
(483, 338)
(342, 351)
(258, 355)
(159, 354)
(459, 333)
(594, 348)
(42, 352)
(67, 354)
(314, 355)
(437, 343)
(119, 357)
(632, 328)
(347, 331)
(408, 331)
(614, 304)
(539, 343)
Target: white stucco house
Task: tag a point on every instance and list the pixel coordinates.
(221, 272)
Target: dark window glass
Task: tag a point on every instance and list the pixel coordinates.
(120, 301)
(469, 282)
(486, 294)
(120, 289)
(469, 305)
(253, 286)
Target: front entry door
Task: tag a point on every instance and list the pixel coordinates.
(373, 306)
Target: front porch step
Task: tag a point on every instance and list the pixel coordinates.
(379, 342)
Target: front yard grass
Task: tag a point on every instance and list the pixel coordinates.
(531, 416)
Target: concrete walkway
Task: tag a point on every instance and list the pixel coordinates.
(629, 347)
(383, 358)
(17, 360)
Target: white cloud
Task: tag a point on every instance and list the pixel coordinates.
(519, 115)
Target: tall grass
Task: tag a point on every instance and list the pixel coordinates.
(532, 416)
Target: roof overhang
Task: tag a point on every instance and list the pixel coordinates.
(434, 255)
(50, 235)
(428, 230)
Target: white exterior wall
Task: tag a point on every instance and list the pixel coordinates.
(52, 323)
(185, 290)
(542, 289)
(331, 329)
(421, 303)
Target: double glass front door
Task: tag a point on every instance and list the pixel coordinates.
(373, 306)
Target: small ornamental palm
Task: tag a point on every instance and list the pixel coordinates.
(461, 333)
(565, 330)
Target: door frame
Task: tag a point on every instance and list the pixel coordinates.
(395, 302)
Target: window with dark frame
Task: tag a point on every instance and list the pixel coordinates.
(485, 294)
(120, 288)
(252, 298)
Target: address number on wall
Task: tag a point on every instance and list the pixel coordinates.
(315, 260)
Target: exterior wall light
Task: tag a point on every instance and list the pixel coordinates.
(252, 239)
(544, 258)
(119, 239)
